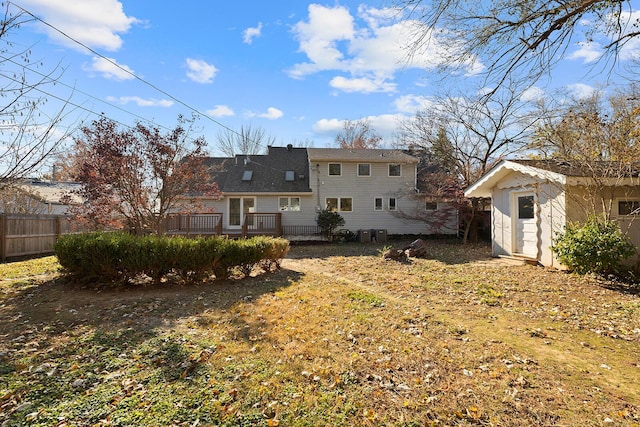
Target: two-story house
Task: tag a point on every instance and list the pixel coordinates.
(372, 189)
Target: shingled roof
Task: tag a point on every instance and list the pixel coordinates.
(372, 155)
(281, 170)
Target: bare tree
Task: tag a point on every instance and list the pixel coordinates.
(29, 135)
(357, 134)
(597, 138)
(463, 136)
(138, 176)
(248, 140)
(520, 37)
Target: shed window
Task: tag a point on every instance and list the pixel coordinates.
(431, 206)
(377, 204)
(629, 207)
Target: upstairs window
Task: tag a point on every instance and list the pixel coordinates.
(395, 170)
(335, 169)
(364, 169)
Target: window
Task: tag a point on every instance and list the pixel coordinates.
(525, 207)
(395, 170)
(628, 207)
(247, 175)
(431, 206)
(289, 176)
(289, 203)
(377, 204)
(392, 204)
(342, 204)
(364, 169)
(335, 169)
(346, 204)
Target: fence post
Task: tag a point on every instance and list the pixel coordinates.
(58, 227)
(3, 237)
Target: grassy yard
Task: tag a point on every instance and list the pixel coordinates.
(338, 337)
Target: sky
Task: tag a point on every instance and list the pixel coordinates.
(294, 69)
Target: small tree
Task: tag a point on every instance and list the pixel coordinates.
(597, 246)
(136, 177)
(328, 220)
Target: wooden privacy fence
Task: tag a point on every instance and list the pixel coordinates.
(24, 235)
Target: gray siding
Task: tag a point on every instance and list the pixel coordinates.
(363, 190)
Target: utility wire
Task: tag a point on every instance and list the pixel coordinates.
(74, 89)
(184, 104)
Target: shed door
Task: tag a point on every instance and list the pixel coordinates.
(525, 228)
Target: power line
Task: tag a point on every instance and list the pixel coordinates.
(153, 86)
(75, 89)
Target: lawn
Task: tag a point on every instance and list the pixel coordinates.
(337, 337)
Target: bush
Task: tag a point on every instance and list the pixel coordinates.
(328, 221)
(122, 257)
(597, 246)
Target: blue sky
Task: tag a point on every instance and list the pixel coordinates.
(295, 69)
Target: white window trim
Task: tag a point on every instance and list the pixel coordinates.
(329, 169)
(395, 207)
(389, 170)
(358, 170)
(375, 209)
(338, 199)
(288, 208)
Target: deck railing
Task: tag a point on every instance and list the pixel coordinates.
(256, 224)
(193, 224)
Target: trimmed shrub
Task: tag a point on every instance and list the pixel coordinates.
(596, 246)
(328, 220)
(122, 257)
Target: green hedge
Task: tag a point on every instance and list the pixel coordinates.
(118, 257)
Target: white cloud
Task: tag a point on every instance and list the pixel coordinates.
(141, 102)
(363, 85)
(373, 51)
(581, 90)
(97, 23)
(412, 103)
(221, 111)
(109, 69)
(385, 125)
(325, 126)
(200, 71)
(251, 33)
(272, 113)
(533, 93)
(588, 52)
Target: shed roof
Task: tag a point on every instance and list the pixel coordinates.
(557, 171)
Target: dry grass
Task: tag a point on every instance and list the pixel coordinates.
(337, 337)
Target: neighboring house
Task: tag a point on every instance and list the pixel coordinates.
(533, 200)
(32, 196)
(372, 189)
